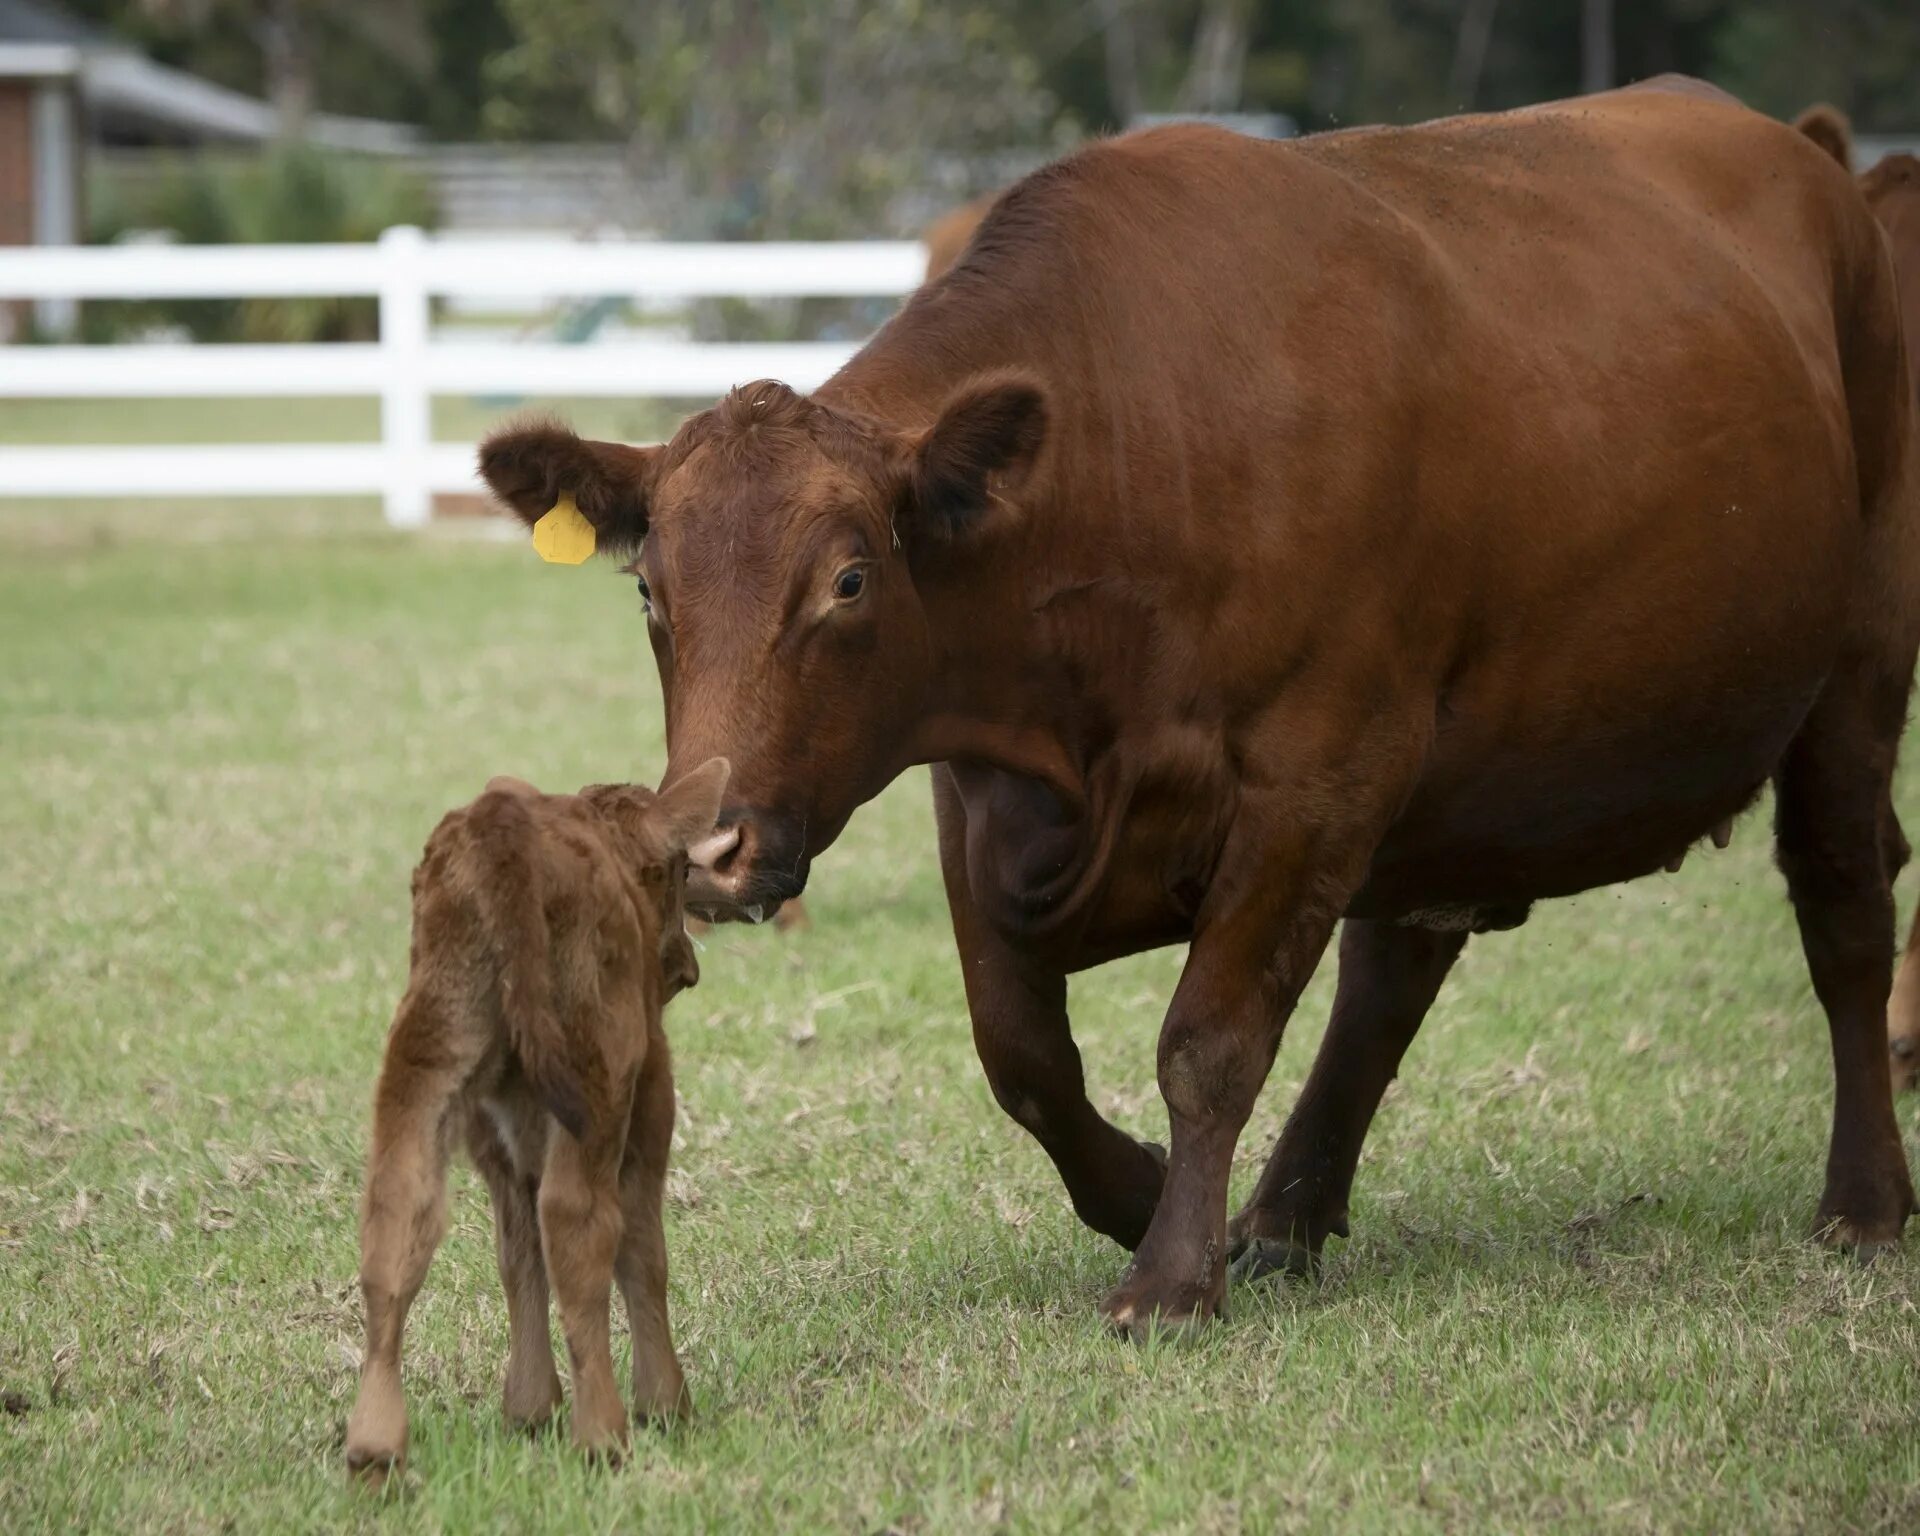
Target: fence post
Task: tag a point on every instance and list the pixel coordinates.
(406, 408)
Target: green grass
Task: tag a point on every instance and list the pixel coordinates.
(1577, 1295)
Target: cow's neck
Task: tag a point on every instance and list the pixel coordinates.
(1017, 630)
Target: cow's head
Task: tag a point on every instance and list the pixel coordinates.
(781, 547)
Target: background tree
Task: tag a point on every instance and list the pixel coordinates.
(787, 116)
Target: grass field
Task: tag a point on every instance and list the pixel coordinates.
(1577, 1295)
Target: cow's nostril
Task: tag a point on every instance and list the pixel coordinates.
(716, 852)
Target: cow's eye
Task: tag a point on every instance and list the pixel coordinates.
(646, 592)
(849, 584)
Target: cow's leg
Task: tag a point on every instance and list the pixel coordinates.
(402, 1217)
(580, 1230)
(1829, 829)
(1218, 1042)
(1020, 1029)
(1332, 777)
(659, 1388)
(1389, 976)
(533, 1385)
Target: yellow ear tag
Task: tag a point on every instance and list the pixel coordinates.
(563, 536)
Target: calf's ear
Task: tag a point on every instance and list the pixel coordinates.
(981, 451)
(530, 465)
(686, 810)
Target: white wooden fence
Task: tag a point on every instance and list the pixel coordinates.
(408, 366)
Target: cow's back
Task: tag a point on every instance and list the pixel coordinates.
(1526, 407)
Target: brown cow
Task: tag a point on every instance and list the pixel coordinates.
(546, 939)
(1892, 191)
(1403, 525)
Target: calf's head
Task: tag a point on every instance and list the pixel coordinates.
(780, 547)
(652, 833)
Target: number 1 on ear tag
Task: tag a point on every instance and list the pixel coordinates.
(563, 536)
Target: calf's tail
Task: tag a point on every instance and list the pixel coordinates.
(512, 907)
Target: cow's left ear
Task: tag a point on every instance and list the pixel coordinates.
(531, 465)
(981, 450)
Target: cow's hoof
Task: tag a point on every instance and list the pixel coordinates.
(1259, 1257)
(1864, 1221)
(1865, 1243)
(1140, 1306)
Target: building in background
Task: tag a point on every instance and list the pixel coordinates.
(127, 98)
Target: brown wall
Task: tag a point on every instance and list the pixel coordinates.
(16, 162)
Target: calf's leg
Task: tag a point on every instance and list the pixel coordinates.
(533, 1385)
(403, 1217)
(1389, 976)
(580, 1230)
(1829, 797)
(1903, 1014)
(659, 1388)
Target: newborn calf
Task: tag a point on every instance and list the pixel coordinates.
(547, 935)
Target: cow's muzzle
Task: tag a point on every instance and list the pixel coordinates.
(752, 862)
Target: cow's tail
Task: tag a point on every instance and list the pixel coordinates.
(511, 900)
(1886, 439)
(1828, 127)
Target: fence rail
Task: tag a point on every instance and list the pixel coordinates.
(407, 366)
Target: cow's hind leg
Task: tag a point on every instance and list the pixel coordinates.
(1831, 795)
(403, 1217)
(659, 1388)
(1389, 976)
(533, 1385)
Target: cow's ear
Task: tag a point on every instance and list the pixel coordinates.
(980, 452)
(1828, 127)
(687, 809)
(531, 465)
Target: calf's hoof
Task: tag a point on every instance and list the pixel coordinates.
(376, 1433)
(531, 1408)
(1905, 1051)
(601, 1441)
(373, 1466)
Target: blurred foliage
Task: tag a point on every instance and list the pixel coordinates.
(803, 117)
(410, 61)
(295, 194)
(775, 116)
